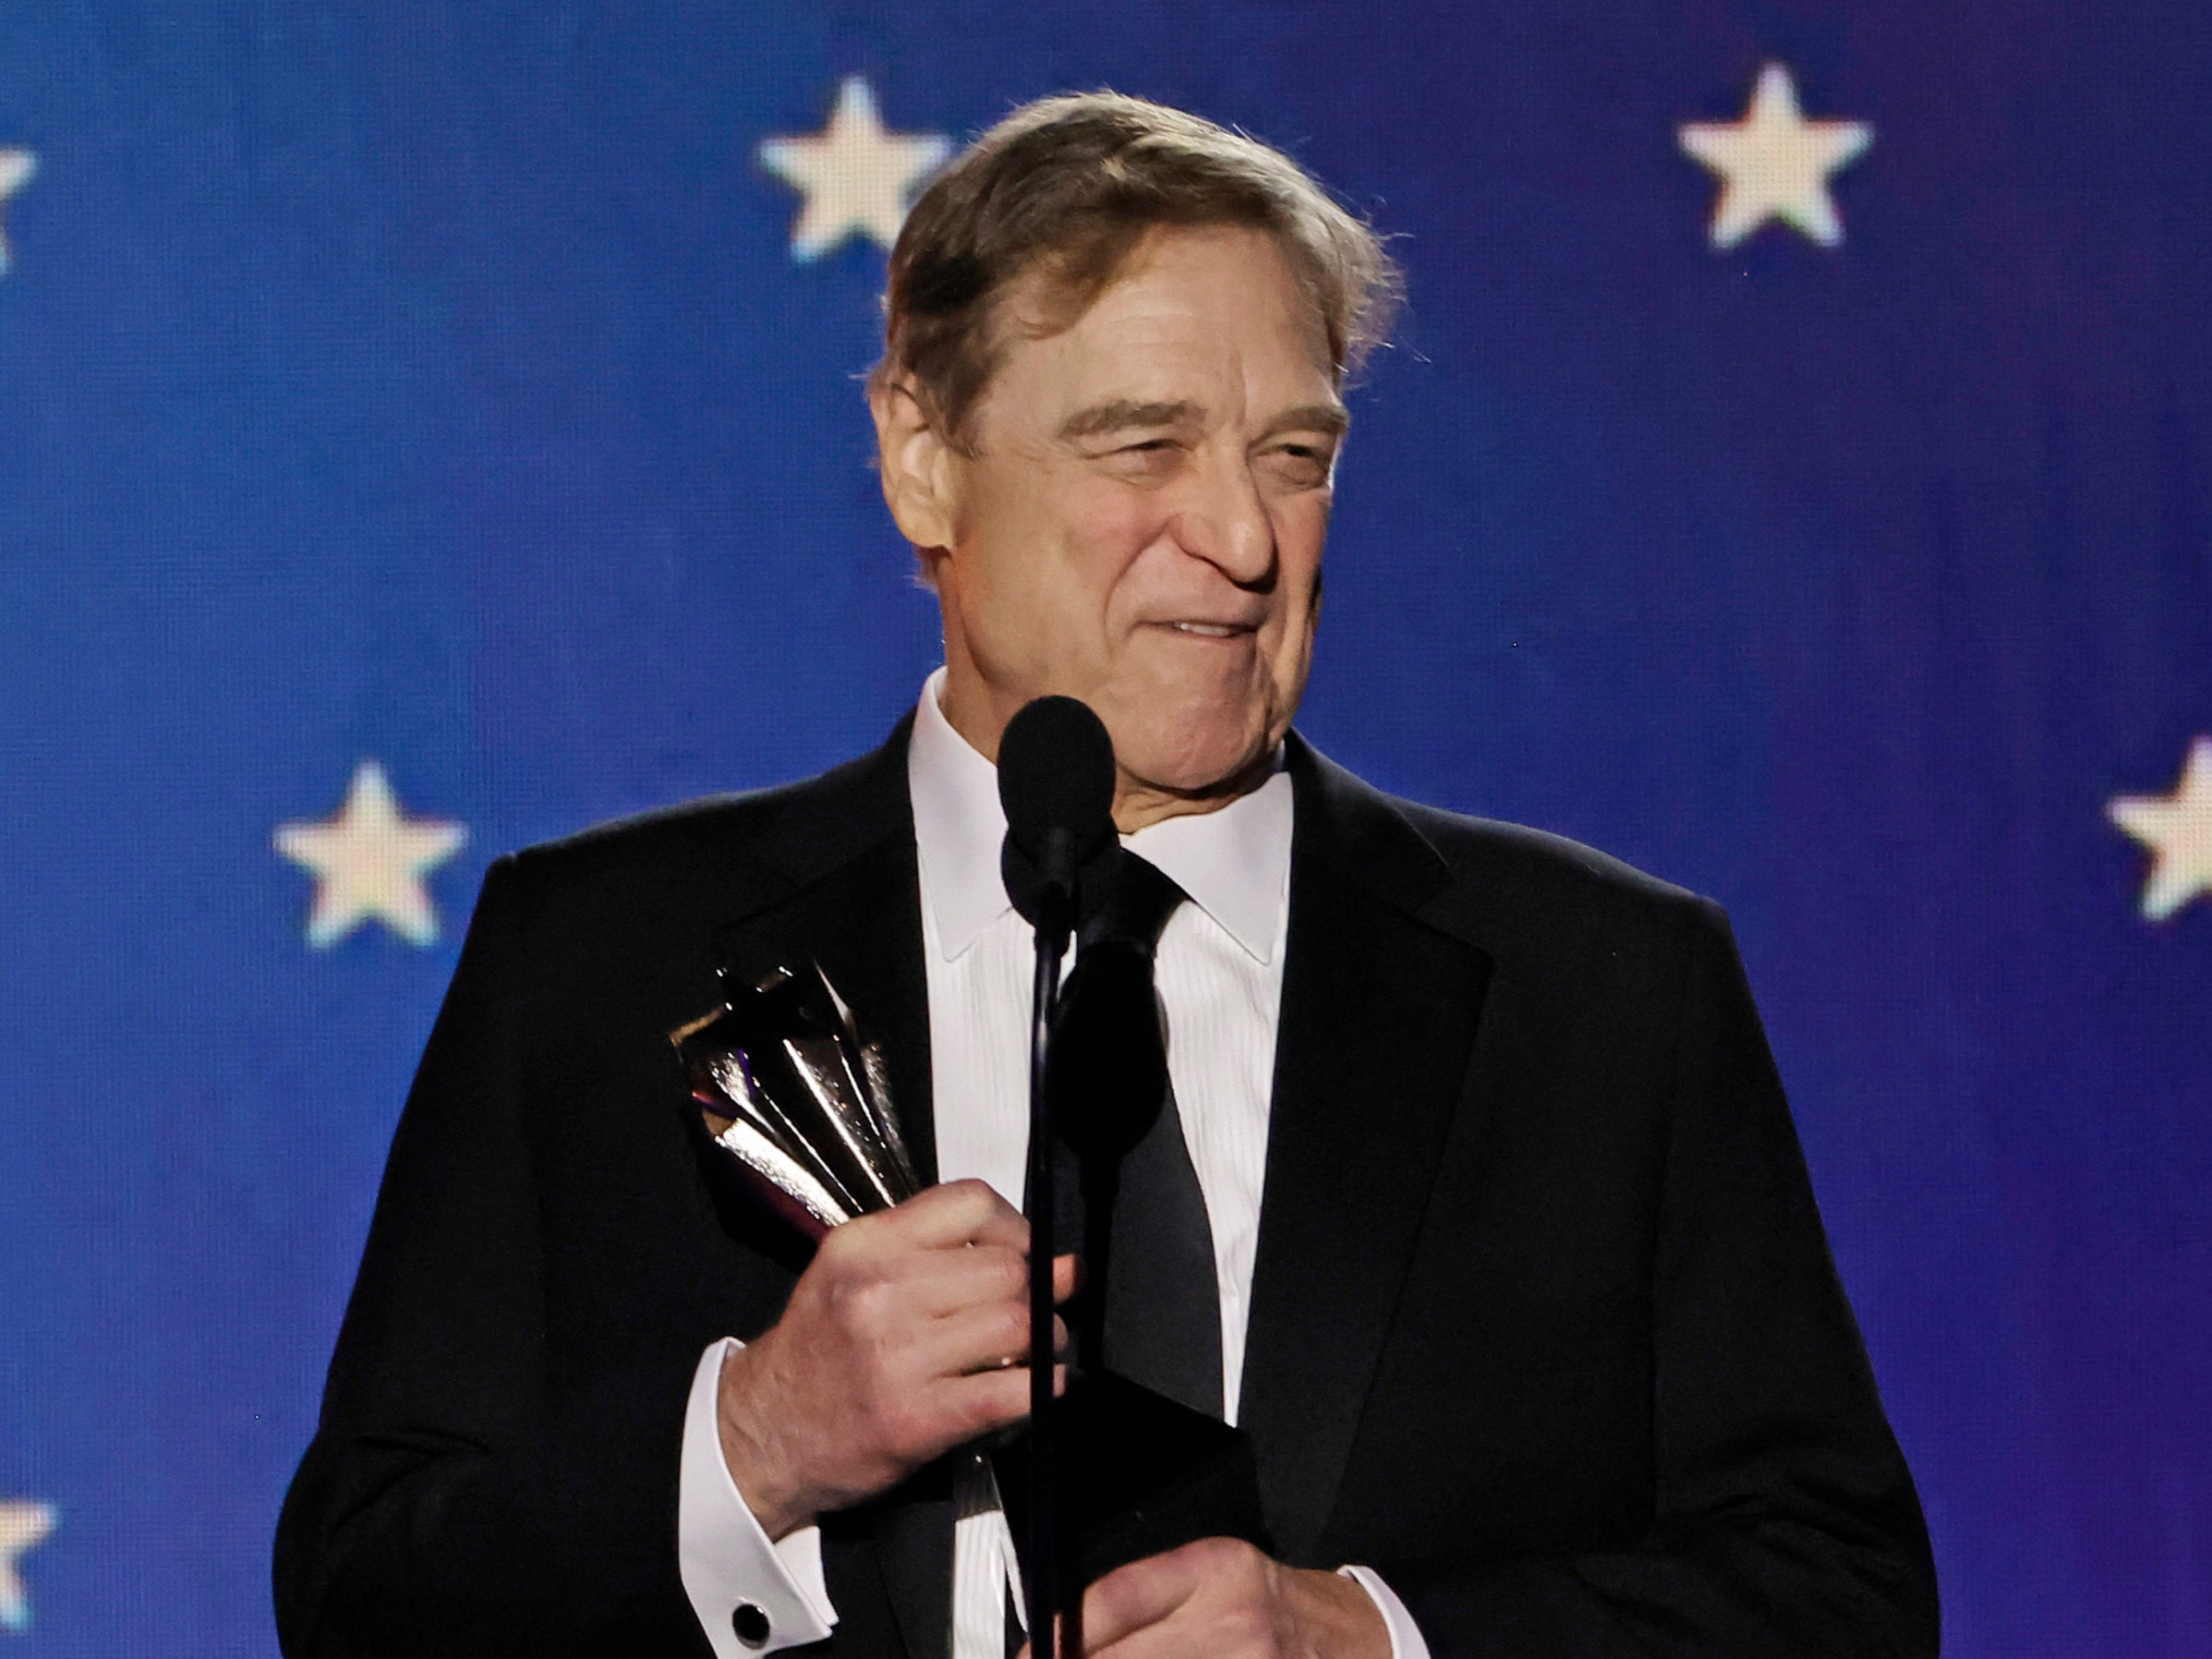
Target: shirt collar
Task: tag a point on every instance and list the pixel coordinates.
(1234, 862)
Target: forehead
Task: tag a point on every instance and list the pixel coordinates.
(1206, 312)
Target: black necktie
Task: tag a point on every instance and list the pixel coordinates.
(1150, 1309)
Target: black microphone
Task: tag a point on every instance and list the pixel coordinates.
(1056, 781)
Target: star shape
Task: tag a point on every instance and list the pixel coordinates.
(1776, 165)
(16, 168)
(2178, 830)
(855, 175)
(368, 863)
(21, 1527)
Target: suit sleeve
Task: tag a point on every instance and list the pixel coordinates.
(1786, 1521)
(459, 1497)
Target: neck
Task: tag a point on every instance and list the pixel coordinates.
(979, 714)
(1138, 803)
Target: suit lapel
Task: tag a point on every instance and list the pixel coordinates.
(849, 898)
(1378, 1021)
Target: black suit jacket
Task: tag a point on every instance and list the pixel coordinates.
(1543, 1323)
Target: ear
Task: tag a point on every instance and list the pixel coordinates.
(917, 464)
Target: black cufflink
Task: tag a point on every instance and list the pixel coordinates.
(750, 1625)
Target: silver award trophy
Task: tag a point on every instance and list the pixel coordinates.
(790, 1086)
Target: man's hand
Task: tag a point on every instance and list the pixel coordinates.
(906, 1335)
(1222, 1599)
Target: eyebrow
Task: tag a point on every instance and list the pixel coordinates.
(1312, 417)
(1126, 413)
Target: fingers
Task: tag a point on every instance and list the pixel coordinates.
(1132, 1597)
(936, 1283)
(941, 1282)
(991, 1269)
(1128, 1605)
(953, 1252)
(958, 1212)
(976, 1405)
(985, 1338)
(961, 1213)
(1135, 1597)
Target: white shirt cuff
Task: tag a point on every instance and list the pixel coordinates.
(724, 1556)
(1405, 1641)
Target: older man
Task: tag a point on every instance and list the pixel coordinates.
(1518, 1285)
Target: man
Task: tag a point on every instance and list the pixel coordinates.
(1519, 1288)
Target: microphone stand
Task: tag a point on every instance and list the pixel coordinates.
(1055, 923)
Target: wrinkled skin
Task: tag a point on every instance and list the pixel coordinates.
(1137, 518)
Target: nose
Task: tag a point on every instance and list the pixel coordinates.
(1226, 522)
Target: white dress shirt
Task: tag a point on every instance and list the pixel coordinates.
(1219, 972)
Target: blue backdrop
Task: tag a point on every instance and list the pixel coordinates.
(435, 384)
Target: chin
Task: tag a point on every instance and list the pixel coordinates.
(1188, 756)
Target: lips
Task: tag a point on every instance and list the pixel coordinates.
(1211, 630)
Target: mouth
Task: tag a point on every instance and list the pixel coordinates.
(1211, 630)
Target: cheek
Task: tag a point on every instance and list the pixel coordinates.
(1300, 531)
(1054, 563)
(1301, 528)
(1107, 533)
(1114, 517)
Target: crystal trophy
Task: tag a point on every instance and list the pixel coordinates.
(789, 1085)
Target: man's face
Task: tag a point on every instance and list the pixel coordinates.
(1141, 523)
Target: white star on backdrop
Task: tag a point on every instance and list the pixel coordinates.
(855, 175)
(2178, 830)
(369, 862)
(16, 168)
(21, 1527)
(1775, 164)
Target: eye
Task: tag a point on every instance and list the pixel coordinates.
(1305, 464)
(1144, 458)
